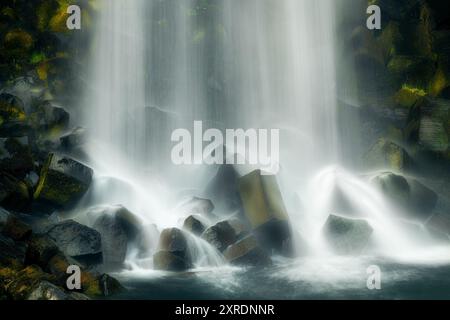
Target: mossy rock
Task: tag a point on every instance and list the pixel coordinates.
(13, 120)
(414, 71)
(18, 40)
(62, 181)
(407, 96)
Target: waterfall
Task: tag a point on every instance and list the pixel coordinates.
(160, 65)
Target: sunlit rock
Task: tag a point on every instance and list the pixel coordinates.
(194, 224)
(77, 241)
(247, 252)
(385, 154)
(173, 254)
(265, 210)
(347, 236)
(62, 181)
(118, 228)
(225, 233)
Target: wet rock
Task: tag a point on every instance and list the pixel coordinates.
(173, 254)
(265, 210)
(385, 154)
(48, 117)
(14, 193)
(347, 236)
(225, 233)
(223, 190)
(118, 228)
(194, 224)
(13, 120)
(62, 181)
(165, 260)
(16, 229)
(4, 214)
(247, 252)
(74, 141)
(394, 187)
(41, 248)
(57, 265)
(77, 241)
(439, 225)
(11, 251)
(15, 156)
(48, 291)
(23, 282)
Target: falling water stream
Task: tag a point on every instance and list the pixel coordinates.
(160, 65)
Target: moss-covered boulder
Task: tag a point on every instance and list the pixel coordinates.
(347, 236)
(247, 252)
(13, 120)
(62, 181)
(385, 154)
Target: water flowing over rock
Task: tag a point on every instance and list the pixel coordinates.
(265, 210)
(225, 233)
(173, 254)
(247, 252)
(77, 241)
(199, 206)
(386, 154)
(118, 228)
(62, 181)
(194, 224)
(347, 236)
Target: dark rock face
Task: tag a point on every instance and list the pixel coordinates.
(173, 254)
(247, 252)
(194, 224)
(16, 229)
(11, 251)
(223, 190)
(347, 236)
(265, 210)
(62, 181)
(118, 228)
(13, 120)
(49, 117)
(15, 156)
(14, 193)
(225, 233)
(41, 248)
(77, 241)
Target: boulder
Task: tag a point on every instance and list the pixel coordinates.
(385, 154)
(41, 248)
(223, 190)
(13, 120)
(118, 228)
(247, 252)
(194, 224)
(48, 117)
(77, 241)
(395, 187)
(62, 181)
(347, 236)
(47, 291)
(74, 141)
(265, 210)
(173, 252)
(14, 193)
(23, 282)
(11, 251)
(225, 233)
(15, 156)
(16, 229)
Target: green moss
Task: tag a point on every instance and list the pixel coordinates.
(408, 96)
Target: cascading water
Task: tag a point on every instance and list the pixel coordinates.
(160, 65)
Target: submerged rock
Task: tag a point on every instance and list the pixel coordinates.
(173, 254)
(225, 233)
(62, 181)
(194, 224)
(347, 236)
(247, 252)
(265, 210)
(77, 241)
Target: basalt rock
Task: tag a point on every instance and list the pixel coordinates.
(347, 236)
(62, 181)
(194, 224)
(77, 241)
(225, 233)
(173, 254)
(247, 252)
(118, 228)
(265, 210)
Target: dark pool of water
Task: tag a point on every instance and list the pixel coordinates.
(302, 279)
